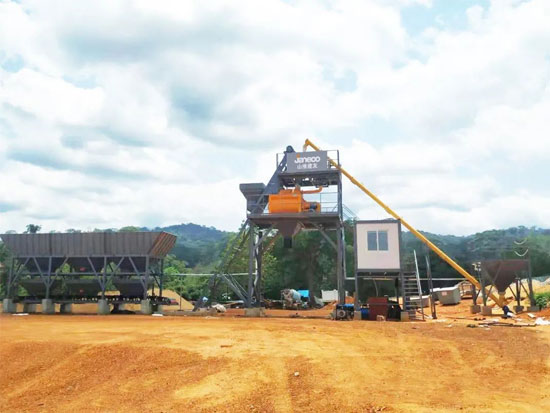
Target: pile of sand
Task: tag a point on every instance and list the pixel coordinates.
(185, 305)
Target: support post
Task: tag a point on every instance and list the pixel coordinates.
(402, 282)
(146, 288)
(104, 276)
(258, 278)
(430, 285)
(483, 291)
(475, 308)
(49, 278)
(532, 301)
(339, 267)
(251, 259)
(10, 278)
(161, 277)
(356, 298)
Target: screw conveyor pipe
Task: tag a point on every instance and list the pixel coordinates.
(499, 300)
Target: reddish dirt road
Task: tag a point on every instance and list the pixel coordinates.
(173, 364)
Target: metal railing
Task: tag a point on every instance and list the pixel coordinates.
(327, 200)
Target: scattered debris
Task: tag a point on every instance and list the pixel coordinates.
(531, 315)
(157, 315)
(21, 314)
(503, 324)
(380, 318)
(540, 321)
(219, 308)
(296, 373)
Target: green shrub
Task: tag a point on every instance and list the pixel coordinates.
(542, 299)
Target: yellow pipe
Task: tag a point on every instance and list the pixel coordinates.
(499, 300)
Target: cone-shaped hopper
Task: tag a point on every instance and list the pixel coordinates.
(82, 287)
(502, 273)
(130, 287)
(288, 229)
(36, 288)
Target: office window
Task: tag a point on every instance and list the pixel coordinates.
(382, 240)
(372, 243)
(377, 240)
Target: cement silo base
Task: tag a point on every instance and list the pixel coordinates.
(29, 308)
(48, 307)
(103, 307)
(8, 306)
(66, 308)
(486, 310)
(146, 307)
(254, 312)
(475, 309)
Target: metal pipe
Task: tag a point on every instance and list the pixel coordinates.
(418, 235)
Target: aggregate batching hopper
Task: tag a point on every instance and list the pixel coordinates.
(76, 267)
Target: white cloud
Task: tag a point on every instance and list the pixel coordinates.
(152, 112)
(51, 99)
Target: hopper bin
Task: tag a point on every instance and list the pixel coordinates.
(82, 287)
(130, 287)
(502, 273)
(36, 288)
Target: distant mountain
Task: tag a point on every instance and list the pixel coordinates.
(514, 242)
(193, 232)
(197, 245)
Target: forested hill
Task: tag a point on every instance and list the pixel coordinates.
(193, 232)
(512, 242)
(310, 263)
(199, 246)
(492, 244)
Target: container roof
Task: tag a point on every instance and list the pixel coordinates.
(90, 244)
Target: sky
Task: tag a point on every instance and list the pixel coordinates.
(151, 113)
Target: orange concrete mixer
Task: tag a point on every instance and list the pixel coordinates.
(292, 201)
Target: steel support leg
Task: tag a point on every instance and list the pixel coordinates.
(339, 267)
(147, 271)
(251, 262)
(258, 278)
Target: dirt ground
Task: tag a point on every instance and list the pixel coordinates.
(133, 363)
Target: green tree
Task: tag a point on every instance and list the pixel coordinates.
(32, 229)
(129, 228)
